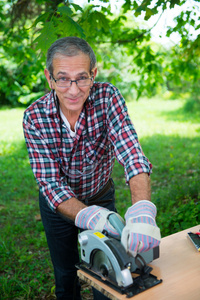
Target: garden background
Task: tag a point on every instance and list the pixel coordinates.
(160, 84)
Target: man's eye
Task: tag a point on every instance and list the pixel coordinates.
(83, 78)
(63, 79)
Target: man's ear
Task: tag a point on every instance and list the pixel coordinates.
(94, 71)
(48, 77)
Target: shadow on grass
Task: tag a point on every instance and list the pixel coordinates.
(175, 181)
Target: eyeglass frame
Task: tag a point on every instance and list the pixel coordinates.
(74, 173)
(76, 80)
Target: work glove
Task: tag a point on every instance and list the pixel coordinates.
(141, 232)
(96, 218)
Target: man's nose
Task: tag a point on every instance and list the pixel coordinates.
(73, 89)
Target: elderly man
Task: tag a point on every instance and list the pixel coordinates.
(73, 135)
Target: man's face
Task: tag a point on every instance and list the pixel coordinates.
(72, 98)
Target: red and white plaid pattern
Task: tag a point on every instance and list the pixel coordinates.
(111, 133)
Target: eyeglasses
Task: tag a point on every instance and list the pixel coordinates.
(73, 173)
(63, 82)
(89, 169)
(90, 166)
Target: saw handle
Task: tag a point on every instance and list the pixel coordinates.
(116, 223)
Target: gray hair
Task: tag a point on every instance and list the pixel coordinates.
(69, 46)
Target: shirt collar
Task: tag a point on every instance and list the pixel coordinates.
(51, 107)
(91, 97)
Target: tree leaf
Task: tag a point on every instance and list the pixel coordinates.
(149, 13)
(42, 18)
(76, 7)
(69, 27)
(65, 10)
(47, 36)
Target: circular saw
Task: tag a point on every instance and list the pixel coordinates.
(105, 258)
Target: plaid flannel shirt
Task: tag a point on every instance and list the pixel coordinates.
(111, 135)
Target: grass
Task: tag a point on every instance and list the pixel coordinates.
(169, 133)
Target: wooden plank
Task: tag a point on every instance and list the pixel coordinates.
(100, 286)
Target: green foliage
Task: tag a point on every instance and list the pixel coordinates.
(122, 45)
(21, 69)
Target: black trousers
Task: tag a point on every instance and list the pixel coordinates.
(62, 239)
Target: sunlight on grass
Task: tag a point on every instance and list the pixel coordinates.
(11, 124)
(159, 117)
(17, 180)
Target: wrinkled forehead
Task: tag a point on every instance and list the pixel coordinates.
(71, 65)
(75, 57)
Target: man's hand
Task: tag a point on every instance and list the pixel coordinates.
(96, 218)
(141, 232)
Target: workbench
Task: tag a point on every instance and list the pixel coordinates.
(178, 266)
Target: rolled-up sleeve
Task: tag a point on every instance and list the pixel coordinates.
(128, 150)
(45, 165)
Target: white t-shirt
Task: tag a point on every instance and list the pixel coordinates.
(72, 133)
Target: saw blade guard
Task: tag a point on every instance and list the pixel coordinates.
(105, 256)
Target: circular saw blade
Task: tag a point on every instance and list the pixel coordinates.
(102, 266)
